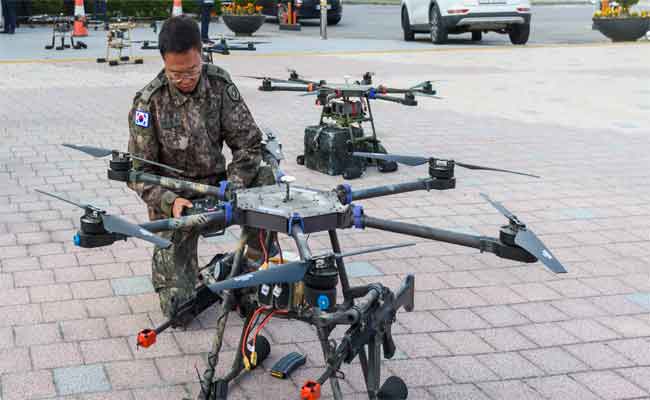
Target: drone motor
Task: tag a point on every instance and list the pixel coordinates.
(320, 285)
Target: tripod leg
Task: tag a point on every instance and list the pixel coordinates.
(374, 369)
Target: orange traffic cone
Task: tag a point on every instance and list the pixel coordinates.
(79, 19)
(178, 8)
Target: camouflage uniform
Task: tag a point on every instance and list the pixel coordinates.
(187, 131)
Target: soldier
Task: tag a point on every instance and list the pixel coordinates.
(206, 8)
(182, 119)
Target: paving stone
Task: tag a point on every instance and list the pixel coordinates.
(200, 341)
(457, 392)
(509, 365)
(461, 319)
(578, 308)
(10, 297)
(75, 274)
(84, 329)
(618, 305)
(132, 286)
(107, 307)
(109, 271)
(501, 315)
(463, 369)
(6, 338)
(419, 345)
(144, 303)
(361, 268)
(588, 330)
(14, 360)
(547, 334)
(554, 360)
(458, 298)
(535, 292)
(63, 310)
(540, 312)
(83, 379)
(105, 350)
(498, 295)
(462, 342)
(37, 334)
(626, 325)
(561, 387)
(49, 293)
(609, 385)
(127, 325)
(510, 390)
(639, 376)
(91, 290)
(55, 355)
(20, 264)
(637, 350)
(161, 393)
(419, 372)
(505, 339)
(424, 321)
(25, 314)
(119, 395)
(30, 385)
(180, 369)
(133, 374)
(599, 356)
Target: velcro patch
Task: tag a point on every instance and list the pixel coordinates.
(141, 118)
(233, 93)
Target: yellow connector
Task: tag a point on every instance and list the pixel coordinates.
(254, 358)
(247, 365)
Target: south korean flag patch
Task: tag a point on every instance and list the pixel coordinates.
(141, 118)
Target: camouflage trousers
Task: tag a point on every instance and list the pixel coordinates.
(175, 270)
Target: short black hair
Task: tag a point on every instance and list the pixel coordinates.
(178, 35)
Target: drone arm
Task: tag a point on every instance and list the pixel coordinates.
(393, 99)
(482, 243)
(217, 218)
(282, 88)
(387, 190)
(172, 183)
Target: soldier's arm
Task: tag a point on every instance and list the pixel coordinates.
(242, 136)
(143, 142)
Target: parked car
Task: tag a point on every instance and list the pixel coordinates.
(440, 18)
(307, 9)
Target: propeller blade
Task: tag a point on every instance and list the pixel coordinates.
(527, 240)
(91, 150)
(261, 78)
(374, 249)
(116, 224)
(479, 167)
(80, 205)
(286, 273)
(504, 211)
(144, 160)
(412, 161)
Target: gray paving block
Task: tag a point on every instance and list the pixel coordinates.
(502, 390)
(509, 365)
(554, 360)
(457, 392)
(641, 298)
(132, 286)
(85, 379)
(609, 385)
(463, 369)
(578, 213)
(599, 356)
(358, 269)
(561, 387)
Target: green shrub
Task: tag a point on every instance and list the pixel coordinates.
(158, 9)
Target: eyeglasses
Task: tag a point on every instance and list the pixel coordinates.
(181, 76)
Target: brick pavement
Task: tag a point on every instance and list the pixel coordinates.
(483, 328)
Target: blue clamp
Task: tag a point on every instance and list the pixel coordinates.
(76, 239)
(357, 216)
(372, 93)
(227, 207)
(223, 186)
(348, 193)
(323, 302)
(295, 218)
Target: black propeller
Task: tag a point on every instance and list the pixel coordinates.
(100, 152)
(267, 78)
(414, 161)
(285, 273)
(527, 240)
(114, 224)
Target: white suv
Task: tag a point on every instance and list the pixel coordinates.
(442, 17)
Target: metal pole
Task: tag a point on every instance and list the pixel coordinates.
(323, 19)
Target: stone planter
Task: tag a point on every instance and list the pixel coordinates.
(622, 29)
(244, 25)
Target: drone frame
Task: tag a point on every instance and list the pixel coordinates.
(369, 310)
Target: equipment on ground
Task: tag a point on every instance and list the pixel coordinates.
(118, 40)
(345, 108)
(304, 289)
(62, 29)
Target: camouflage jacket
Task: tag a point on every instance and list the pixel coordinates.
(188, 131)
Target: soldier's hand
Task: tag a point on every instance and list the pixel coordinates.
(179, 204)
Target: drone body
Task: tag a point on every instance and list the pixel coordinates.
(306, 289)
(340, 130)
(62, 29)
(118, 40)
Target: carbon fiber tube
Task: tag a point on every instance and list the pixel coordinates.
(218, 218)
(387, 190)
(171, 183)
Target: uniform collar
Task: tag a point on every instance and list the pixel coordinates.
(199, 92)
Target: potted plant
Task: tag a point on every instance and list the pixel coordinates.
(618, 23)
(243, 17)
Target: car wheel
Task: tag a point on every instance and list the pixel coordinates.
(519, 34)
(333, 20)
(409, 35)
(477, 36)
(438, 29)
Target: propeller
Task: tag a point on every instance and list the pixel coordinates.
(527, 240)
(99, 152)
(286, 273)
(266, 78)
(114, 224)
(414, 161)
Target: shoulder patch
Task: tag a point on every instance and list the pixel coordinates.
(157, 83)
(141, 118)
(233, 93)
